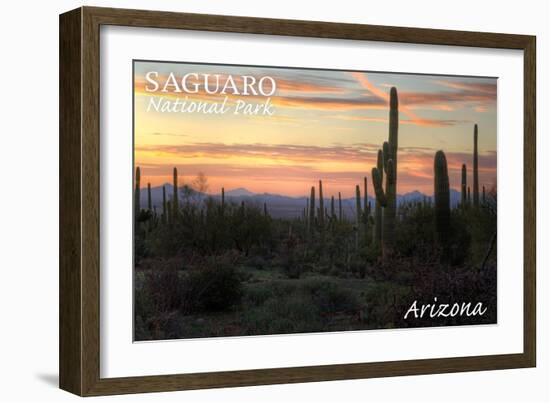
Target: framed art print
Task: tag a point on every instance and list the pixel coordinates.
(250, 201)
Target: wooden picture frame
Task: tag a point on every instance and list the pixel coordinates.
(79, 200)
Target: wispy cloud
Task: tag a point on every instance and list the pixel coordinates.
(481, 95)
(384, 96)
(297, 153)
(281, 166)
(421, 122)
(169, 134)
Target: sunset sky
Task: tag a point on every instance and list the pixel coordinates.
(327, 125)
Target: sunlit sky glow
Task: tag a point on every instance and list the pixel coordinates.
(327, 125)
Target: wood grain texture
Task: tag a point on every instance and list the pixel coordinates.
(530, 202)
(79, 200)
(70, 279)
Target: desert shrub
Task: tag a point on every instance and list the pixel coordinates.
(258, 262)
(140, 248)
(481, 225)
(157, 298)
(257, 294)
(414, 235)
(330, 297)
(211, 289)
(460, 239)
(162, 241)
(160, 291)
(295, 313)
(381, 300)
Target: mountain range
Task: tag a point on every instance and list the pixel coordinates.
(280, 206)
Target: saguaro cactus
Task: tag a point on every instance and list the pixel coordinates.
(483, 199)
(265, 210)
(340, 217)
(321, 207)
(306, 213)
(394, 126)
(332, 212)
(137, 195)
(442, 198)
(357, 214)
(476, 177)
(463, 186)
(169, 212)
(223, 199)
(312, 210)
(387, 197)
(378, 206)
(175, 202)
(149, 200)
(164, 206)
(366, 208)
(357, 205)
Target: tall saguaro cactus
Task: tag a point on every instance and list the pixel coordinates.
(340, 217)
(442, 198)
(332, 211)
(386, 198)
(365, 197)
(476, 176)
(394, 126)
(164, 206)
(366, 209)
(378, 206)
(358, 211)
(169, 212)
(312, 210)
(321, 207)
(149, 199)
(464, 186)
(357, 215)
(175, 202)
(306, 213)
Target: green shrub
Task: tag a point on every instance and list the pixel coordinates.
(294, 314)
(211, 289)
(329, 297)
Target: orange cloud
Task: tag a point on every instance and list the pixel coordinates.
(414, 119)
(292, 166)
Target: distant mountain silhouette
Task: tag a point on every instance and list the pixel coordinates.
(239, 192)
(280, 206)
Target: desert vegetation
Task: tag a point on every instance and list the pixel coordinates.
(207, 265)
